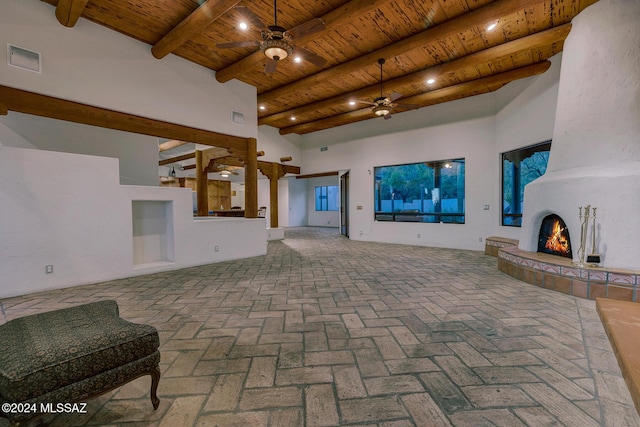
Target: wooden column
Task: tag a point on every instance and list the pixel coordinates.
(274, 177)
(202, 195)
(251, 180)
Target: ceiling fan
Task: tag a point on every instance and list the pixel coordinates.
(277, 42)
(226, 171)
(383, 105)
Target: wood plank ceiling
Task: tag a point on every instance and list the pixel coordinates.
(444, 40)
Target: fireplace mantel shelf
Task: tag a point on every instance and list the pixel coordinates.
(560, 274)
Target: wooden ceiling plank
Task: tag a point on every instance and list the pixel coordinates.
(22, 101)
(534, 41)
(478, 17)
(69, 11)
(462, 90)
(332, 20)
(200, 19)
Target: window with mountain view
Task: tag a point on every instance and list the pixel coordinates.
(420, 192)
(519, 168)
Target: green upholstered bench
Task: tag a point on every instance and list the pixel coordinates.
(73, 354)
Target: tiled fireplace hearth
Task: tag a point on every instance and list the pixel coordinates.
(558, 274)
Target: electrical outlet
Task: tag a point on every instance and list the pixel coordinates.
(216, 248)
(480, 239)
(486, 207)
(418, 235)
(48, 269)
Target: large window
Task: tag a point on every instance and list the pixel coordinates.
(420, 192)
(520, 167)
(327, 198)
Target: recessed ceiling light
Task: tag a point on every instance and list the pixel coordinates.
(352, 102)
(297, 59)
(492, 26)
(293, 119)
(262, 107)
(431, 81)
(243, 26)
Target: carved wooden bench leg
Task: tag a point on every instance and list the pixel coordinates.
(155, 380)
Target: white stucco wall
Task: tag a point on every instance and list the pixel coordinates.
(595, 154)
(321, 218)
(69, 211)
(598, 113)
(137, 154)
(472, 139)
(526, 120)
(98, 66)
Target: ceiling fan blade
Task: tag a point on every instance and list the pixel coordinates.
(253, 19)
(394, 96)
(387, 116)
(237, 44)
(316, 60)
(309, 27)
(270, 66)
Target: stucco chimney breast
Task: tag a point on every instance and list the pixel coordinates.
(595, 153)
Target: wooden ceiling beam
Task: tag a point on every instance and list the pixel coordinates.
(177, 159)
(534, 41)
(462, 90)
(478, 17)
(317, 175)
(336, 18)
(193, 24)
(168, 145)
(232, 161)
(26, 102)
(69, 11)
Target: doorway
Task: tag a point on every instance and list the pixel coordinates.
(344, 204)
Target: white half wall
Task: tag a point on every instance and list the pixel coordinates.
(137, 154)
(69, 211)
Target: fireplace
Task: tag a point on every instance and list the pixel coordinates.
(554, 237)
(595, 150)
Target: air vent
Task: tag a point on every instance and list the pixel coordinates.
(24, 59)
(237, 117)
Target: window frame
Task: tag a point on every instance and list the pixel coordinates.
(413, 210)
(521, 154)
(326, 204)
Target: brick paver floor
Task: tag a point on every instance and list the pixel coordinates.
(325, 331)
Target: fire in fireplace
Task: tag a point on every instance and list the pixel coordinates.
(554, 237)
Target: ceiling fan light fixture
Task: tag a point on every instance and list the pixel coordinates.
(381, 110)
(276, 43)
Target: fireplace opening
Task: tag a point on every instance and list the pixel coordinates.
(554, 237)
